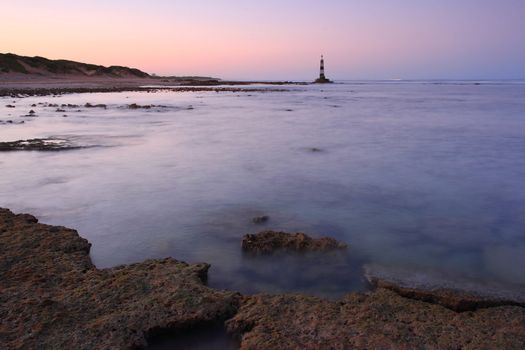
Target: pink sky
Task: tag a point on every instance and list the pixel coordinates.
(277, 39)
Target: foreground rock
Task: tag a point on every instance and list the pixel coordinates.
(53, 297)
(268, 242)
(456, 293)
(44, 144)
(378, 320)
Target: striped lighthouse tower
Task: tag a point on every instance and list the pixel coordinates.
(321, 74)
(322, 78)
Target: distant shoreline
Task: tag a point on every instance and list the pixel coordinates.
(48, 86)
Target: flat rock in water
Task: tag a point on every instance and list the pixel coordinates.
(44, 144)
(53, 297)
(454, 292)
(268, 242)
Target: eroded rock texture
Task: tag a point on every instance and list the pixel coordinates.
(268, 242)
(53, 297)
(379, 320)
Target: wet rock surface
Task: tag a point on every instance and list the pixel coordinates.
(456, 293)
(137, 106)
(9, 121)
(44, 144)
(53, 297)
(268, 242)
(100, 105)
(378, 320)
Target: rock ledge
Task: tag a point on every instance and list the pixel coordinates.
(53, 297)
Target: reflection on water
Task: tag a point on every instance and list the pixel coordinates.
(409, 174)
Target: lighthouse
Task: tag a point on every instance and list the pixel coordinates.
(322, 78)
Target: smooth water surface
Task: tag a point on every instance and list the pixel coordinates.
(417, 174)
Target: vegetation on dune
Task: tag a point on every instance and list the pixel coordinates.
(11, 63)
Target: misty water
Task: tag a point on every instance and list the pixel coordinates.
(426, 175)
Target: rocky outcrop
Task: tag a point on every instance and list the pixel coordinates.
(44, 144)
(378, 320)
(137, 106)
(268, 242)
(53, 297)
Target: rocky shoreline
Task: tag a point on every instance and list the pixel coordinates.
(43, 144)
(55, 91)
(52, 297)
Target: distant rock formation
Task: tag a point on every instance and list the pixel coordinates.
(11, 63)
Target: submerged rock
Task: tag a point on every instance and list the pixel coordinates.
(268, 242)
(53, 297)
(456, 293)
(260, 219)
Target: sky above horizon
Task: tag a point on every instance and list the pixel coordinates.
(277, 39)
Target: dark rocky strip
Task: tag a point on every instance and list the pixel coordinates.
(11, 122)
(44, 144)
(19, 93)
(53, 297)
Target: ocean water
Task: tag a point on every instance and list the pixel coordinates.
(426, 175)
